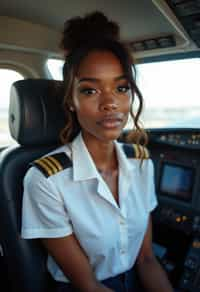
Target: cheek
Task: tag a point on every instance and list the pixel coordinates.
(82, 104)
(85, 112)
(85, 107)
(127, 104)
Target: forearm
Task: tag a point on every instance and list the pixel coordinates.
(83, 279)
(153, 277)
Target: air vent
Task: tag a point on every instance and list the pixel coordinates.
(188, 13)
(153, 43)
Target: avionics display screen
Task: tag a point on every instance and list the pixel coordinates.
(176, 181)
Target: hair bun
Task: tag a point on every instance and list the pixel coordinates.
(79, 30)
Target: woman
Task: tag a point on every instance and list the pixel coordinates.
(93, 213)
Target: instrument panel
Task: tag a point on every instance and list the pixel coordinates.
(176, 220)
(176, 157)
(183, 138)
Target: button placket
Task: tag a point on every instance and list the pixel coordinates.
(123, 239)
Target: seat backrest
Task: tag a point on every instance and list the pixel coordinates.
(35, 118)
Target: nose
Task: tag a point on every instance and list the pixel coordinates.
(108, 104)
(108, 107)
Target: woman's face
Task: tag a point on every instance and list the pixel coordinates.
(101, 96)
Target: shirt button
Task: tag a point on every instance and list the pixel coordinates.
(122, 251)
(122, 222)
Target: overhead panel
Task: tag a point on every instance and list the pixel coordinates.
(188, 13)
(154, 43)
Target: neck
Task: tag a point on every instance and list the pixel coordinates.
(103, 154)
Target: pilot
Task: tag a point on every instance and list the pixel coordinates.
(90, 200)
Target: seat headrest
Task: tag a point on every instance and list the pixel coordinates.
(36, 115)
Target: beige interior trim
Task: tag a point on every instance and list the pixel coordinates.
(34, 38)
(183, 38)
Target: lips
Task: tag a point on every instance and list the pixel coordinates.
(111, 121)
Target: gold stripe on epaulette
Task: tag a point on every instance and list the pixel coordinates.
(136, 150)
(146, 153)
(50, 164)
(141, 152)
(44, 166)
(56, 162)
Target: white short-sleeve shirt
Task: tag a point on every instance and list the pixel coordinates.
(77, 200)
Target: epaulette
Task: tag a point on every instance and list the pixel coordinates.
(50, 165)
(136, 151)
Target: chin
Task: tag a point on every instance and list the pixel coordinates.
(109, 135)
(103, 135)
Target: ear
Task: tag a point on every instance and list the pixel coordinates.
(70, 105)
(71, 108)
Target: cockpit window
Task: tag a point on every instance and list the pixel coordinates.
(7, 77)
(54, 67)
(171, 93)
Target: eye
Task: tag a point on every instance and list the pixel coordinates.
(88, 91)
(123, 88)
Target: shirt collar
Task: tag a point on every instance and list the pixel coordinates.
(125, 165)
(84, 166)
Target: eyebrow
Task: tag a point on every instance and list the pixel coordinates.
(89, 79)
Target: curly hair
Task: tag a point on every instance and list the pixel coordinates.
(95, 32)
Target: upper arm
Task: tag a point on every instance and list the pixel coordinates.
(146, 251)
(66, 250)
(69, 255)
(72, 260)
